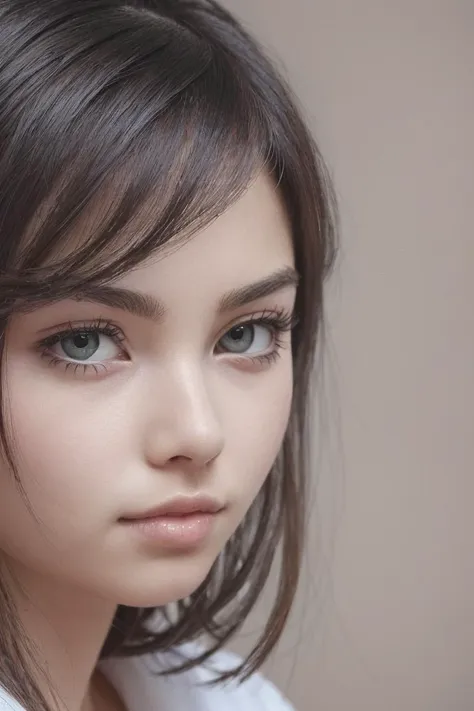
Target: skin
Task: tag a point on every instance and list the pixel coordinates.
(174, 414)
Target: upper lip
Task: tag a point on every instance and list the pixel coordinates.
(180, 506)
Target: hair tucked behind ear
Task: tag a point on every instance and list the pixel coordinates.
(166, 108)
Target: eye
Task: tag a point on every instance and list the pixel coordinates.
(247, 339)
(89, 346)
(83, 345)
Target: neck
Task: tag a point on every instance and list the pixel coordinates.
(67, 627)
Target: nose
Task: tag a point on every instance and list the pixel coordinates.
(184, 427)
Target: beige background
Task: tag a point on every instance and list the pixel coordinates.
(385, 619)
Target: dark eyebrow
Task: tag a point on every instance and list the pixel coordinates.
(150, 308)
(281, 279)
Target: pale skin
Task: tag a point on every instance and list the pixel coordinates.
(173, 412)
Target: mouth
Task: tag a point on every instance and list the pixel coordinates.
(180, 507)
(182, 523)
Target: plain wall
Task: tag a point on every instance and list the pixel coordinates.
(385, 615)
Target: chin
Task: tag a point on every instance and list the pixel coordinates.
(170, 580)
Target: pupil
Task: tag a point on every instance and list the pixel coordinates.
(238, 333)
(81, 340)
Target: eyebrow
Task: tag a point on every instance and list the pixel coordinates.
(150, 308)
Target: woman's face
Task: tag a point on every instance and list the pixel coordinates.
(187, 401)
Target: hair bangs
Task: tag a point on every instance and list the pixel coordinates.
(141, 166)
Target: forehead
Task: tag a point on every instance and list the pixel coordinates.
(250, 239)
(245, 248)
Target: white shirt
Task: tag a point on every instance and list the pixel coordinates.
(143, 691)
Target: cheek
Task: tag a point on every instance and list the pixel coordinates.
(66, 449)
(69, 446)
(256, 425)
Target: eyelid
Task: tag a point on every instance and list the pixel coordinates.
(281, 317)
(66, 329)
(277, 321)
(103, 326)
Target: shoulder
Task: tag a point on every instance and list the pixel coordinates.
(256, 693)
(140, 685)
(7, 703)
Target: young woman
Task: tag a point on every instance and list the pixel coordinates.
(166, 226)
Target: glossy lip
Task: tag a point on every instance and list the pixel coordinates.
(179, 506)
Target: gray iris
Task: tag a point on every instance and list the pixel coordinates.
(81, 345)
(239, 339)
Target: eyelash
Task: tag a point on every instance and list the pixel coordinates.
(279, 321)
(99, 326)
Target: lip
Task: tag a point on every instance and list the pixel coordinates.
(179, 506)
(182, 524)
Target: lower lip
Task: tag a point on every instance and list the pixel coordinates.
(188, 531)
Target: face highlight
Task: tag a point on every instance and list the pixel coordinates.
(174, 382)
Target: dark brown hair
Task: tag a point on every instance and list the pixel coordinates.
(163, 111)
